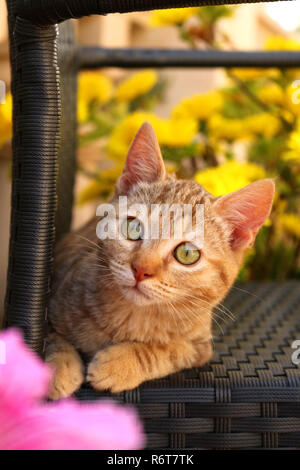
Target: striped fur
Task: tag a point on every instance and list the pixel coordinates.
(132, 337)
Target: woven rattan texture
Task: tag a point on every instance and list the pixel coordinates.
(35, 89)
(249, 395)
(67, 148)
(54, 11)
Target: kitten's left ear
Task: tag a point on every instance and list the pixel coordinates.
(144, 160)
(246, 210)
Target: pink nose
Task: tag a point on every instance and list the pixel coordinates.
(141, 273)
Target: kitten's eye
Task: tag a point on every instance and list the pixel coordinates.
(187, 253)
(132, 229)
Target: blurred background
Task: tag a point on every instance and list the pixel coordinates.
(223, 128)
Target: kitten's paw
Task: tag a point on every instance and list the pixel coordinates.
(204, 353)
(68, 375)
(114, 369)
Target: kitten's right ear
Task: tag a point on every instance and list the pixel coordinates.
(144, 161)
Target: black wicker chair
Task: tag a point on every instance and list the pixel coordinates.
(249, 395)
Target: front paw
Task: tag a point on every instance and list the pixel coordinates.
(68, 376)
(115, 368)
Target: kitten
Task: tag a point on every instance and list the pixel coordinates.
(142, 309)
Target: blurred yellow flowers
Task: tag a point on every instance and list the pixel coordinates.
(272, 94)
(290, 223)
(102, 185)
(229, 177)
(178, 132)
(82, 111)
(6, 120)
(199, 107)
(92, 86)
(124, 132)
(221, 127)
(250, 74)
(281, 43)
(240, 133)
(136, 85)
(172, 16)
(264, 124)
(172, 132)
(293, 147)
(293, 99)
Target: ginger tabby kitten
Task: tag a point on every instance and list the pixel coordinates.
(140, 309)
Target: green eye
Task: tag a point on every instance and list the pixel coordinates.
(187, 253)
(132, 229)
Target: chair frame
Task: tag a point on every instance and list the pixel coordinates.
(266, 391)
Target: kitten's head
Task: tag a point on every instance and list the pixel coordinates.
(174, 271)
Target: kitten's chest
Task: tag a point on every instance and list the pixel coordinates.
(117, 327)
(141, 325)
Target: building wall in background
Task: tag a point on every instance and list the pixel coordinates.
(4, 65)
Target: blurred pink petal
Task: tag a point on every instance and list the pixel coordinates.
(29, 424)
(69, 425)
(23, 377)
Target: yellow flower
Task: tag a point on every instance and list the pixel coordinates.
(104, 182)
(6, 108)
(293, 147)
(293, 99)
(102, 185)
(280, 43)
(178, 132)
(171, 167)
(271, 94)
(224, 128)
(136, 85)
(172, 16)
(199, 107)
(6, 120)
(229, 177)
(249, 74)
(92, 192)
(124, 132)
(171, 132)
(82, 111)
(238, 129)
(262, 124)
(268, 222)
(94, 86)
(290, 223)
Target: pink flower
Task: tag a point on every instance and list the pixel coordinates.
(28, 423)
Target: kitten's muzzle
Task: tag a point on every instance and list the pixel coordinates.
(141, 272)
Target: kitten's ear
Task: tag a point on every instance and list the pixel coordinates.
(144, 160)
(246, 210)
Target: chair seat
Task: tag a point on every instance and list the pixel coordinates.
(248, 396)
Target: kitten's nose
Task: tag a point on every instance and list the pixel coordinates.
(141, 272)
